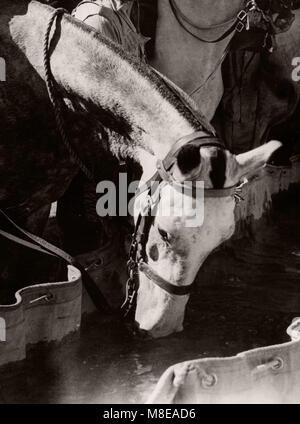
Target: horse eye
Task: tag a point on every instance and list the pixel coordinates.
(164, 235)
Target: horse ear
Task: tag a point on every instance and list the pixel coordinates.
(254, 159)
(188, 158)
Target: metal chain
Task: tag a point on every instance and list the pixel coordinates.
(135, 257)
(132, 268)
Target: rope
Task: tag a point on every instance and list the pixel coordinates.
(49, 79)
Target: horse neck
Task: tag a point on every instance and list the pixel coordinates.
(129, 100)
(187, 61)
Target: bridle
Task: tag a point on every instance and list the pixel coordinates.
(237, 23)
(138, 260)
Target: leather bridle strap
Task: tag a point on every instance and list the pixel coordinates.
(198, 138)
(239, 22)
(181, 18)
(162, 283)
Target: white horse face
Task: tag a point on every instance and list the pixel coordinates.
(175, 248)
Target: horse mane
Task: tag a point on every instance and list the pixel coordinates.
(169, 91)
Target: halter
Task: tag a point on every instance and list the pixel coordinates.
(138, 260)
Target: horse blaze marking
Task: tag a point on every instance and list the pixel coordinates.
(2, 69)
(2, 330)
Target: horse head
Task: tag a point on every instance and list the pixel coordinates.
(175, 249)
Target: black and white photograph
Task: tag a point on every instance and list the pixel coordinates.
(149, 205)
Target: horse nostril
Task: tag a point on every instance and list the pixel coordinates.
(153, 253)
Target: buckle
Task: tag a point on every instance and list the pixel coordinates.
(242, 15)
(251, 5)
(240, 26)
(238, 192)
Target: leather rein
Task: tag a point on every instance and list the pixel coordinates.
(138, 259)
(237, 23)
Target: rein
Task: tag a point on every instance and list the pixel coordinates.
(238, 23)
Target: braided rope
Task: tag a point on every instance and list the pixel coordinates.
(53, 96)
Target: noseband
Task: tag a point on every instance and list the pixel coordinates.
(138, 260)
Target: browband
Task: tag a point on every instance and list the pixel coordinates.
(199, 138)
